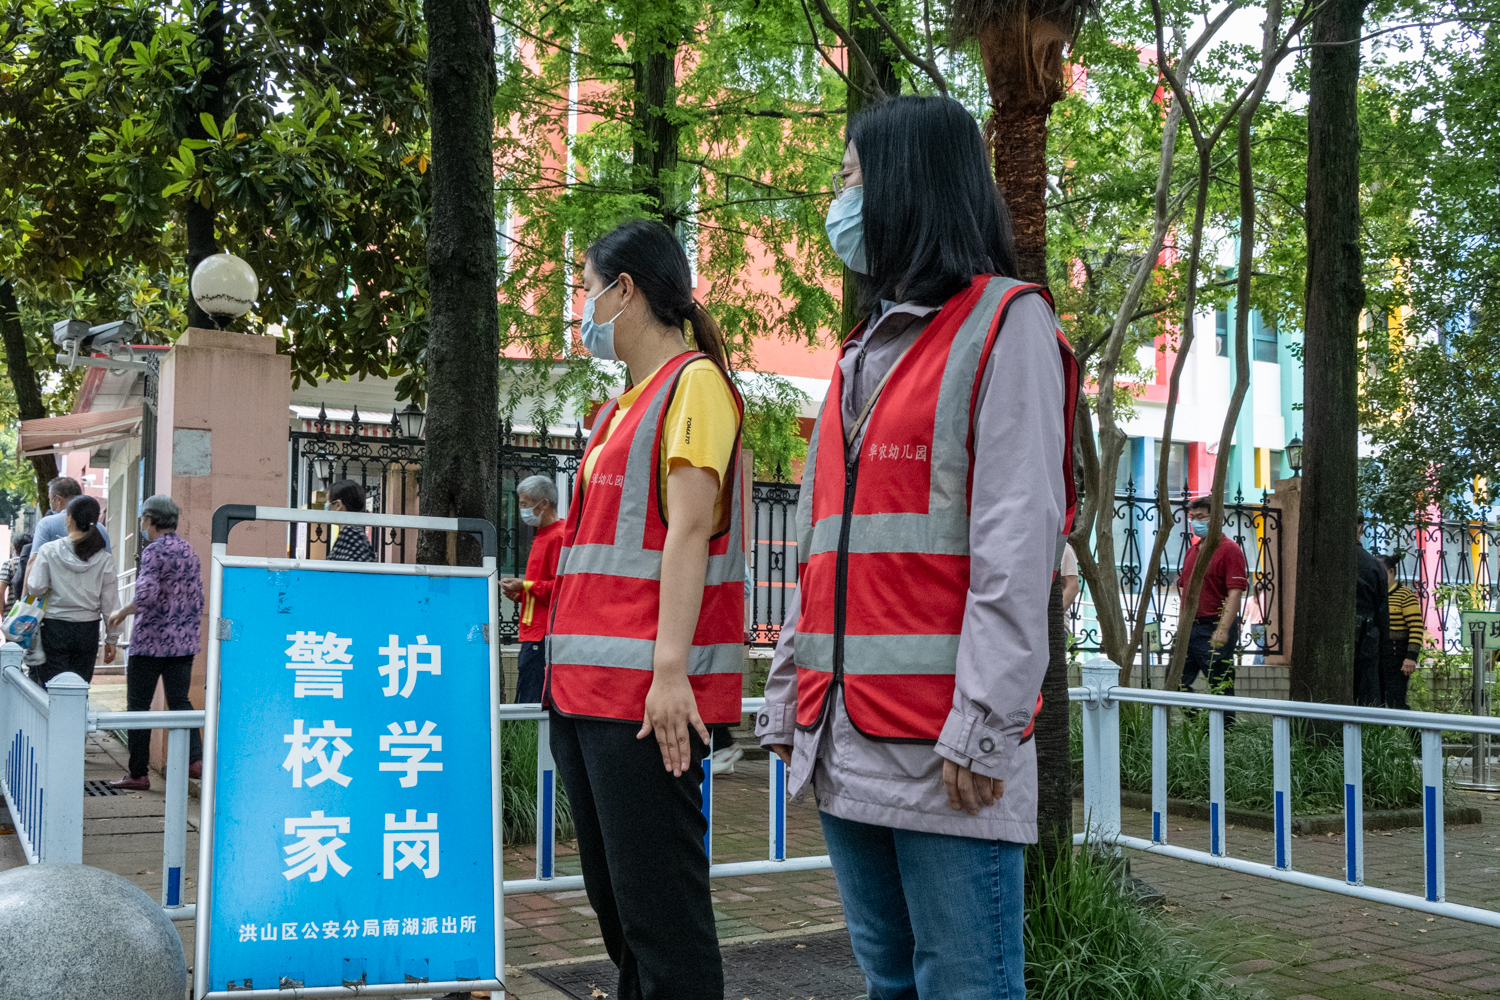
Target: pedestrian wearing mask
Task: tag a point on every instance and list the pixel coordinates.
(1216, 626)
(940, 467)
(648, 615)
(78, 575)
(352, 545)
(537, 498)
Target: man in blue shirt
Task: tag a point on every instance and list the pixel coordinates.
(55, 525)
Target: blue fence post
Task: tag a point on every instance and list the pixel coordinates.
(546, 800)
(1432, 812)
(1159, 774)
(1216, 782)
(1281, 763)
(1101, 755)
(174, 827)
(776, 792)
(1354, 805)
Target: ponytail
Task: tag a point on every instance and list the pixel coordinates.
(83, 510)
(707, 337)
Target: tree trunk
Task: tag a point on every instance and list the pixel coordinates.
(463, 335)
(869, 37)
(23, 379)
(1019, 131)
(1054, 791)
(656, 132)
(198, 217)
(1323, 655)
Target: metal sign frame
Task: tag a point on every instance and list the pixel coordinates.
(1487, 620)
(225, 518)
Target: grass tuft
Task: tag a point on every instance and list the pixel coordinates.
(1088, 938)
(518, 786)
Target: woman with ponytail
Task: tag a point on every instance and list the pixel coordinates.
(78, 576)
(648, 614)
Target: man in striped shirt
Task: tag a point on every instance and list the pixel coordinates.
(1398, 661)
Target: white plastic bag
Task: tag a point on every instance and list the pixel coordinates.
(24, 619)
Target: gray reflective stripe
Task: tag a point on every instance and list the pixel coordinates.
(638, 654)
(635, 493)
(900, 654)
(813, 651)
(944, 536)
(879, 654)
(614, 560)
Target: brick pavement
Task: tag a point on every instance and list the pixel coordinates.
(1294, 943)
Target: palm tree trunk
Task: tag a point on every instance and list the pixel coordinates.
(1019, 131)
(463, 334)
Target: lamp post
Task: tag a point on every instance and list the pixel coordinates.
(1294, 456)
(224, 286)
(411, 420)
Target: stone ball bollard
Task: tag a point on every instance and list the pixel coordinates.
(70, 932)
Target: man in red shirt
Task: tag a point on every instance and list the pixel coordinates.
(1216, 626)
(537, 497)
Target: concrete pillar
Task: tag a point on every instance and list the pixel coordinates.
(1287, 498)
(222, 438)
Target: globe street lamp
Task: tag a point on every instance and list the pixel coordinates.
(224, 286)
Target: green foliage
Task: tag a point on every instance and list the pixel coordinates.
(518, 787)
(773, 408)
(1089, 938)
(1392, 772)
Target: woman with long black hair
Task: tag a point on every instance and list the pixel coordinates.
(78, 576)
(646, 645)
(935, 494)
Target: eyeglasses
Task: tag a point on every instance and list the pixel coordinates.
(839, 179)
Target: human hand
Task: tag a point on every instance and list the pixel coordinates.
(1409, 667)
(782, 750)
(671, 710)
(109, 652)
(969, 792)
(511, 587)
(114, 620)
(1220, 637)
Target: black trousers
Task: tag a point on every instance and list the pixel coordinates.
(1217, 665)
(640, 840)
(1393, 682)
(176, 673)
(531, 672)
(1367, 643)
(68, 646)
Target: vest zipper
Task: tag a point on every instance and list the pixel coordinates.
(841, 579)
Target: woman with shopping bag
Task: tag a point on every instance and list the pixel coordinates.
(78, 576)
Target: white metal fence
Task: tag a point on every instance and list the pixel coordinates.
(1101, 696)
(43, 775)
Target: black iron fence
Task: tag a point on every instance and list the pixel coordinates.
(1452, 566)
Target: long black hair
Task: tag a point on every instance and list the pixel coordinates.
(647, 251)
(84, 511)
(933, 217)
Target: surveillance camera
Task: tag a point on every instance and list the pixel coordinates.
(106, 336)
(74, 330)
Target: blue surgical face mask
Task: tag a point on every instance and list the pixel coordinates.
(846, 227)
(599, 338)
(530, 516)
(1200, 528)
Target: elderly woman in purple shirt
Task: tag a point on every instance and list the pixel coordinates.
(926, 800)
(168, 605)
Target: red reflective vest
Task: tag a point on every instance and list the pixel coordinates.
(607, 597)
(899, 510)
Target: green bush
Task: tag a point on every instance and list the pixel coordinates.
(1392, 769)
(518, 787)
(1088, 938)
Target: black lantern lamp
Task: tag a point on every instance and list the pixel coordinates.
(1294, 455)
(411, 420)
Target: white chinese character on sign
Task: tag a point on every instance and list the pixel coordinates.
(410, 659)
(467, 924)
(268, 932)
(351, 929)
(417, 842)
(330, 928)
(247, 932)
(412, 745)
(288, 932)
(372, 928)
(302, 753)
(309, 932)
(429, 925)
(411, 925)
(392, 927)
(315, 851)
(319, 662)
(450, 926)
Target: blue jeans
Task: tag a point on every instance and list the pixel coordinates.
(931, 916)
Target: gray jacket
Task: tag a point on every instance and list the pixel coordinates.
(78, 590)
(1015, 519)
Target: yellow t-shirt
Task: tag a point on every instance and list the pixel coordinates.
(702, 425)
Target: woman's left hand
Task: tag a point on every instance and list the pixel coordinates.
(109, 652)
(671, 711)
(969, 792)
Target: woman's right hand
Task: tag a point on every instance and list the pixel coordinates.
(782, 750)
(672, 713)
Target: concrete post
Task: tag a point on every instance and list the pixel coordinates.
(62, 808)
(1287, 497)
